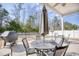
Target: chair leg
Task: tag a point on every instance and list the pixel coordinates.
(11, 52)
(39, 53)
(11, 47)
(26, 53)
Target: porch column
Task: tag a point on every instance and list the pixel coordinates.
(62, 24)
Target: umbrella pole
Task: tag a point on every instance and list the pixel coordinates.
(43, 38)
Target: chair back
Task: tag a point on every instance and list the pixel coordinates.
(59, 41)
(25, 43)
(60, 51)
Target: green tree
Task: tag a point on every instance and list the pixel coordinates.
(3, 14)
(31, 21)
(14, 26)
(29, 27)
(69, 26)
(56, 24)
(2, 29)
(17, 11)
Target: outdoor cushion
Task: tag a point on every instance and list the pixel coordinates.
(58, 41)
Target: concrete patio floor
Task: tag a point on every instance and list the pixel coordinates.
(73, 49)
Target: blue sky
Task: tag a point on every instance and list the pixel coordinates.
(74, 18)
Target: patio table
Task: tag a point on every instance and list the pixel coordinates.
(43, 44)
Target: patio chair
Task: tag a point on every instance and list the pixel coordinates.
(59, 41)
(27, 49)
(58, 51)
(67, 39)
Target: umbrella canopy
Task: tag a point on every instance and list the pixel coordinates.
(44, 22)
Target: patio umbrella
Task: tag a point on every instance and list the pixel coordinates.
(44, 22)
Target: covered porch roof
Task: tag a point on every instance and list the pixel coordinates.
(64, 8)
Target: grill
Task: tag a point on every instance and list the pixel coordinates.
(9, 36)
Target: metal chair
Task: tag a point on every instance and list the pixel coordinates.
(58, 51)
(27, 49)
(60, 42)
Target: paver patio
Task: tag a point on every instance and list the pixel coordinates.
(73, 49)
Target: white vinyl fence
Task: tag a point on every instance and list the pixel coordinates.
(74, 34)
